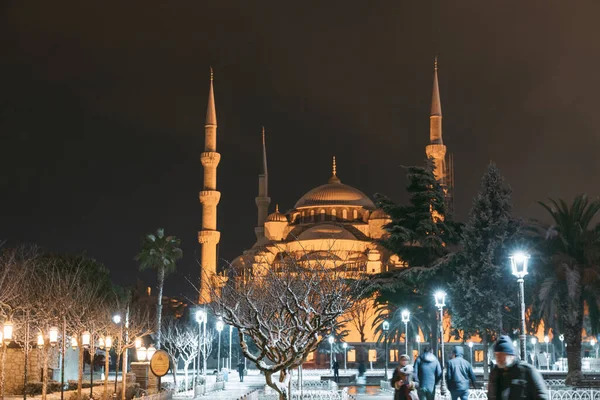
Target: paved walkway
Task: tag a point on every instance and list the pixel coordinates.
(234, 389)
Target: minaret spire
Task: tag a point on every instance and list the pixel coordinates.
(436, 148)
(262, 200)
(209, 236)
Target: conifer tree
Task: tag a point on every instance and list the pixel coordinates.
(481, 287)
(421, 234)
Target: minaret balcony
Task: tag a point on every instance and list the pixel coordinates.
(209, 197)
(209, 237)
(210, 159)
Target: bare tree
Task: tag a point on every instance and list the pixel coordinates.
(362, 312)
(287, 308)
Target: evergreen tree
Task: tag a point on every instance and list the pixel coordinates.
(481, 286)
(420, 233)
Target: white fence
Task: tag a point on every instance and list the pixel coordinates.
(164, 395)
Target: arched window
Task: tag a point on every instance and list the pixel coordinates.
(333, 214)
(354, 214)
(344, 214)
(312, 215)
(322, 213)
(303, 215)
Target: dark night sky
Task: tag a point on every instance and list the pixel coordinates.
(102, 108)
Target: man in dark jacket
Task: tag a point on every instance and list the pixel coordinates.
(427, 373)
(458, 374)
(512, 379)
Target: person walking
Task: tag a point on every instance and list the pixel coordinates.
(336, 371)
(427, 374)
(403, 381)
(458, 374)
(512, 379)
(240, 368)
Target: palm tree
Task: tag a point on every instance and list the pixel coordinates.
(572, 273)
(159, 252)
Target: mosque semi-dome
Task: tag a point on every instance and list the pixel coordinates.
(277, 216)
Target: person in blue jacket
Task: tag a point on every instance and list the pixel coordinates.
(458, 374)
(427, 374)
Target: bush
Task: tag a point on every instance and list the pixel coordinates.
(132, 391)
(84, 396)
(35, 388)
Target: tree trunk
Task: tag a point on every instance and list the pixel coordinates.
(161, 281)
(80, 372)
(281, 386)
(174, 371)
(185, 374)
(486, 359)
(573, 340)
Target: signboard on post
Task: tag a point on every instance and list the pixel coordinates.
(159, 365)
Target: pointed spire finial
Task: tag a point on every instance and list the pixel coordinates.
(263, 135)
(334, 178)
(436, 104)
(277, 208)
(212, 75)
(211, 113)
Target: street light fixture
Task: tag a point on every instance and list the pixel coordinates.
(440, 302)
(201, 318)
(40, 341)
(470, 344)
(141, 353)
(547, 339)
(533, 342)
(418, 339)
(219, 329)
(406, 319)
(518, 263)
(8, 332)
(345, 347)
(330, 339)
(85, 339)
(116, 319)
(53, 336)
(386, 328)
(137, 342)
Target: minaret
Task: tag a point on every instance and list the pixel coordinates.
(262, 200)
(436, 148)
(209, 236)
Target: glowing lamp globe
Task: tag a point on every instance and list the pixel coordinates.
(470, 344)
(141, 353)
(219, 325)
(546, 339)
(101, 343)
(7, 332)
(345, 345)
(200, 316)
(330, 339)
(74, 342)
(53, 336)
(85, 339)
(518, 264)
(150, 352)
(385, 326)
(561, 337)
(137, 342)
(405, 316)
(108, 342)
(440, 298)
(117, 319)
(418, 338)
(533, 340)
(40, 341)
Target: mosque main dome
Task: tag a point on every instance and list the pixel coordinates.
(334, 193)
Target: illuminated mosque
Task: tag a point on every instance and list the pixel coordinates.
(334, 221)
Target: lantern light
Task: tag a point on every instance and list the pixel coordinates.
(518, 263)
(141, 353)
(74, 342)
(405, 316)
(418, 338)
(470, 344)
(40, 341)
(345, 345)
(200, 316)
(546, 339)
(53, 336)
(138, 342)
(108, 342)
(101, 343)
(330, 339)
(85, 339)
(385, 326)
(219, 325)
(8, 331)
(440, 298)
(561, 337)
(533, 341)
(117, 319)
(150, 352)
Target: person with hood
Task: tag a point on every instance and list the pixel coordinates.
(402, 380)
(427, 374)
(458, 374)
(513, 379)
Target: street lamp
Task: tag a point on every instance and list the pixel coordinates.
(418, 339)
(440, 302)
(142, 353)
(7, 332)
(74, 343)
(386, 328)
(85, 339)
(533, 342)
(547, 339)
(518, 263)
(201, 318)
(150, 352)
(219, 329)
(53, 336)
(117, 320)
(470, 344)
(107, 345)
(330, 339)
(561, 337)
(40, 341)
(345, 346)
(405, 319)
(137, 342)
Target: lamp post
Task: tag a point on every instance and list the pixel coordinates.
(546, 340)
(418, 339)
(201, 320)
(330, 339)
(386, 328)
(230, 331)
(561, 337)
(470, 344)
(345, 346)
(107, 345)
(440, 302)
(219, 329)
(518, 263)
(405, 319)
(593, 343)
(117, 320)
(533, 342)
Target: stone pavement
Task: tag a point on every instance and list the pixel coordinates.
(234, 389)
